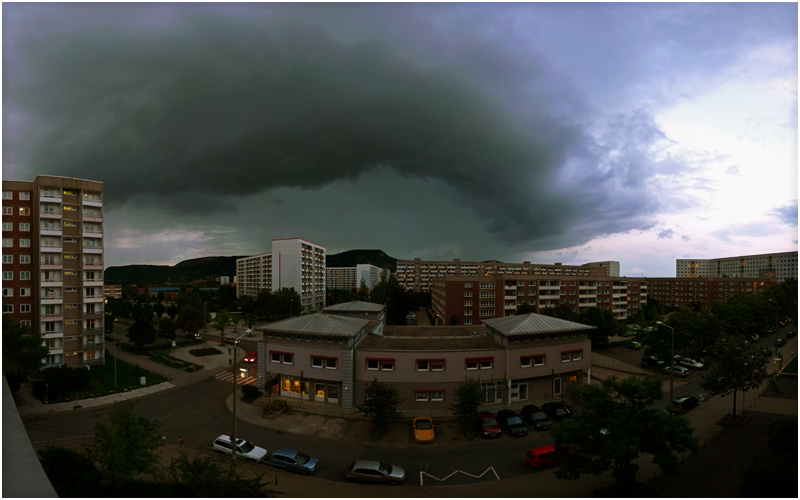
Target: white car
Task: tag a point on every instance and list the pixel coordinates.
(691, 363)
(678, 370)
(244, 449)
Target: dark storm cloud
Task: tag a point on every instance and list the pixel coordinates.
(208, 107)
(787, 214)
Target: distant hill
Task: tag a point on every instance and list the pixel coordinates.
(352, 257)
(183, 272)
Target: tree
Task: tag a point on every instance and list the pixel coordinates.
(160, 297)
(166, 328)
(226, 297)
(362, 293)
(125, 446)
(286, 303)
(142, 332)
(221, 322)
(467, 398)
(616, 426)
(738, 367)
(606, 325)
(172, 311)
(72, 474)
(249, 319)
(209, 476)
(23, 352)
(561, 311)
(158, 309)
(190, 319)
(381, 401)
(525, 309)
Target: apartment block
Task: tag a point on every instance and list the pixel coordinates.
(113, 291)
(611, 267)
(292, 263)
(53, 264)
(780, 266)
(348, 278)
(419, 274)
(676, 292)
(474, 299)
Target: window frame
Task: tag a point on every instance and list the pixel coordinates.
(430, 362)
(479, 363)
(380, 362)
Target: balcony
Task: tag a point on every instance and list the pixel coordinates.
(93, 315)
(588, 304)
(50, 198)
(98, 330)
(96, 282)
(97, 250)
(93, 265)
(51, 265)
(49, 214)
(51, 300)
(549, 287)
(92, 218)
(509, 306)
(50, 232)
(53, 334)
(91, 299)
(51, 249)
(92, 234)
(510, 297)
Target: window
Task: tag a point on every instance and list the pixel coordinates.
(25, 322)
(8, 292)
(434, 365)
(8, 275)
(323, 362)
(69, 208)
(8, 308)
(531, 292)
(429, 395)
(70, 193)
(466, 294)
(487, 295)
(467, 321)
(24, 275)
(25, 308)
(8, 195)
(467, 312)
(8, 259)
(8, 242)
(525, 361)
(487, 285)
(24, 196)
(383, 364)
(24, 226)
(7, 210)
(70, 224)
(467, 284)
(24, 211)
(24, 242)
(467, 303)
(575, 355)
(479, 363)
(287, 358)
(8, 226)
(24, 292)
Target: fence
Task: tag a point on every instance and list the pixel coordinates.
(65, 442)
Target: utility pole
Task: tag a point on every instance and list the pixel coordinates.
(671, 362)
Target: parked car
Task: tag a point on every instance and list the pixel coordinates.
(423, 430)
(651, 362)
(691, 363)
(293, 460)
(685, 403)
(754, 338)
(372, 471)
(250, 358)
(244, 449)
(791, 334)
(632, 344)
(512, 423)
(558, 412)
(545, 456)
(487, 425)
(535, 417)
(678, 370)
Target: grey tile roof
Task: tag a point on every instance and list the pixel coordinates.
(356, 305)
(533, 323)
(323, 324)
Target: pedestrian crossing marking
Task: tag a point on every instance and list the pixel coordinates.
(228, 377)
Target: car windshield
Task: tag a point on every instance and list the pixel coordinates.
(488, 422)
(246, 446)
(302, 458)
(561, 411)
(424, 425)
(514, 421)
(538, 416)
(385, 468)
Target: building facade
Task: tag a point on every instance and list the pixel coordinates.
(611, 267)
(780, 266)
(330, 360)
(349, 278)
(676, 292)
(419, 274)
(473, 299)
(53, 264)
(113, 291)
(292, 263)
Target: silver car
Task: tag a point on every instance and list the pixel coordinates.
(375, 472)
(244, 449)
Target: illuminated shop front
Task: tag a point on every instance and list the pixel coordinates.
(322, 390)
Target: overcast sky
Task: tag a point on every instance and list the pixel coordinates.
(571, 133)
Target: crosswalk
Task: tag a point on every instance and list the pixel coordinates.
(227, 376)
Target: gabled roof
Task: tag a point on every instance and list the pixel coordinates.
(355, 306)
(527, 324)
(320, 324)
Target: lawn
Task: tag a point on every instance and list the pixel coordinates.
(791, 367)
(102, 381)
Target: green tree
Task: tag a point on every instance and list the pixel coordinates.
(23, 352)
(525, 309)
(172, 311)
(606, 325)
(467, 398)
(160, 297)
(335, 296)
(226, 297)
(221, 321)
(129, 292)
(158, 309)
(561, 311)
(362, 293)
(249, 319)
(617, 425)
(209, 476)
(398, 303)
(380, 402)
(166, 328)
(190, 319)
(738, 367)
(142, 332)
(287, 303)
(265, 304)
(126, 446)
(72, 474)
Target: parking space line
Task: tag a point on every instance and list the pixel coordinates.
(423, 473)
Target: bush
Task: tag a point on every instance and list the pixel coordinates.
(62, 380)
(274, 407)
(39, 389)
(250, 393)
(14, 381)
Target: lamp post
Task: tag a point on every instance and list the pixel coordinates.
(671, 362)
(235, 375)
(205, 325)
(776, 325)
(236, 326)
(115, 354)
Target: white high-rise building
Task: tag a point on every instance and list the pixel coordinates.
(348, 278)
(781, 266)
(292, 263)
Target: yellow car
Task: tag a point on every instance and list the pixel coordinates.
(423, 430)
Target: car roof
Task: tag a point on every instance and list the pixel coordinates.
(286, 452)
(366, 464)
(506, 412)
(543, 449)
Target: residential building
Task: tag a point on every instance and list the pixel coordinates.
(292, 263)
(781, 266)
(419, 274)
(113, 291)
(473, 299)
(53, 264)
(676, 292)
(349, 278)
(328, 360)
(611, 267)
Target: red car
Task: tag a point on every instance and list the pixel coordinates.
(487, 425)
(540, 458)
(250, 358)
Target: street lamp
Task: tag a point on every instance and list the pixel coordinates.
(236, 326)
(776, 325)
(671, 361)
(115, 354)
(205, 325)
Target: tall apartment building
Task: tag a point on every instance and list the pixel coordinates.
(611, 267)
(292, 263)
(472, 299)
(347, 278)
(419, 274)
(676, 292)
(781, 266)
(53, 264)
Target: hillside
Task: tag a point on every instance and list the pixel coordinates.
(352, 257)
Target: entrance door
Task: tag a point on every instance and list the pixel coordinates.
(518, 391)
(319, 391)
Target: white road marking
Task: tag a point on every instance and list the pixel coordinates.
(421, 482)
